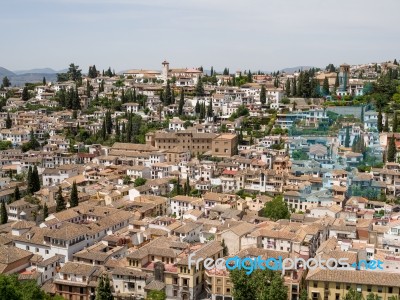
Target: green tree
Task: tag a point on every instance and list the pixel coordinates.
(35, 180)
(187, 186)
(74, 201)
(8, 121)
(92, 72)
(103, 290)
(199, 88)
(139, 181)
(168, 94)
(17, 194)
(260, 285)
(210, 112)
(353, 295)
(30, 181)
(60, 202)
(156, 295)
(3, 213)
(44, 80)
(263, 95)
(181, 103)
(395, 122)
(391, 152)
(6, 82)
(380, 122)
(303, 295)
(347, 137)
(45, 211)
(386, 126)
(325, 87)
(288, 89)
(25, 94)
(197, 108)
(372, 296)
(276, 209)
(337, 80)
(74, 73)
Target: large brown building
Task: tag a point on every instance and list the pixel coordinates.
(223, 145)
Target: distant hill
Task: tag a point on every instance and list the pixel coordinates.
(36, 71)
(19, 78)
(295, 69)
(5, 72)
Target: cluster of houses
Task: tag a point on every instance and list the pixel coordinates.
(196, 190)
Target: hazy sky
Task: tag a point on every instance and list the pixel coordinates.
(246, 34)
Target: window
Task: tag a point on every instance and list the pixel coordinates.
(315, 284)
(348, 286)
(369, 289)
(380, 289)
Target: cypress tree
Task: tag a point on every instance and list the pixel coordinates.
(354, 146)
(60, 203)
(168, 95)
(88, 88)
(8, 121)
(210, 112)
(162, 98)
(325, 87)
(395, 122)
(391, 153)
(3, 213)
(294, 88)
(29, 181)
(347, 138)
(386, 126)
(337, 80)
(108, 122)
(362, 114)
(45, 211)
(107, 289)
(100, 289)
(380, 125)
(35, 180)
(181, 103)
(44, 80)
(117, 131)
(199, 88)
(197, 108)
(187, 186)
(104, 130)
(172, 97)
(263, 95)
(17, 194)
(74, 201)
(25, 94)
(287, 88)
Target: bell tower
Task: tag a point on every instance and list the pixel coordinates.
(165, 71)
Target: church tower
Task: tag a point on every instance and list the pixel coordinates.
(165, 71)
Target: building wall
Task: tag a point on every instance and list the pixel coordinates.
(318, 290)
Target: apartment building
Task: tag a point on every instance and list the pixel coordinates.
(334, 284)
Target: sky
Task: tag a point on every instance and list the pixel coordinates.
(262, 35)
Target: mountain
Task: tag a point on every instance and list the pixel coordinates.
(5, 72)
(295, 69)
(36, 71)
